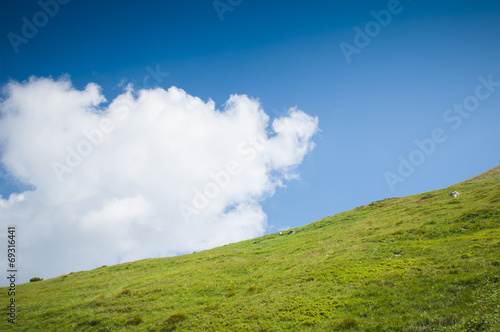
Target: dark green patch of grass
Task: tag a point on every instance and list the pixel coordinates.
(172, 321)
(229, 294)
(253, 289)
(347, 323)
(135, 320)
(124, 292)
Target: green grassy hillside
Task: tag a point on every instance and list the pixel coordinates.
(428, 262)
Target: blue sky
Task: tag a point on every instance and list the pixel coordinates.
(370, 110)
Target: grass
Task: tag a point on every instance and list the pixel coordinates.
(428, 262)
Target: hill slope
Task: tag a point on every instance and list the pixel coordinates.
(428, 262)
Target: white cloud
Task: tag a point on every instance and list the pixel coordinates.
(153, 173)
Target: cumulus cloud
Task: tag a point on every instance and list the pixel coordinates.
(151, 173)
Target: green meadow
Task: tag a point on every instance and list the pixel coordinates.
(427, 262)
